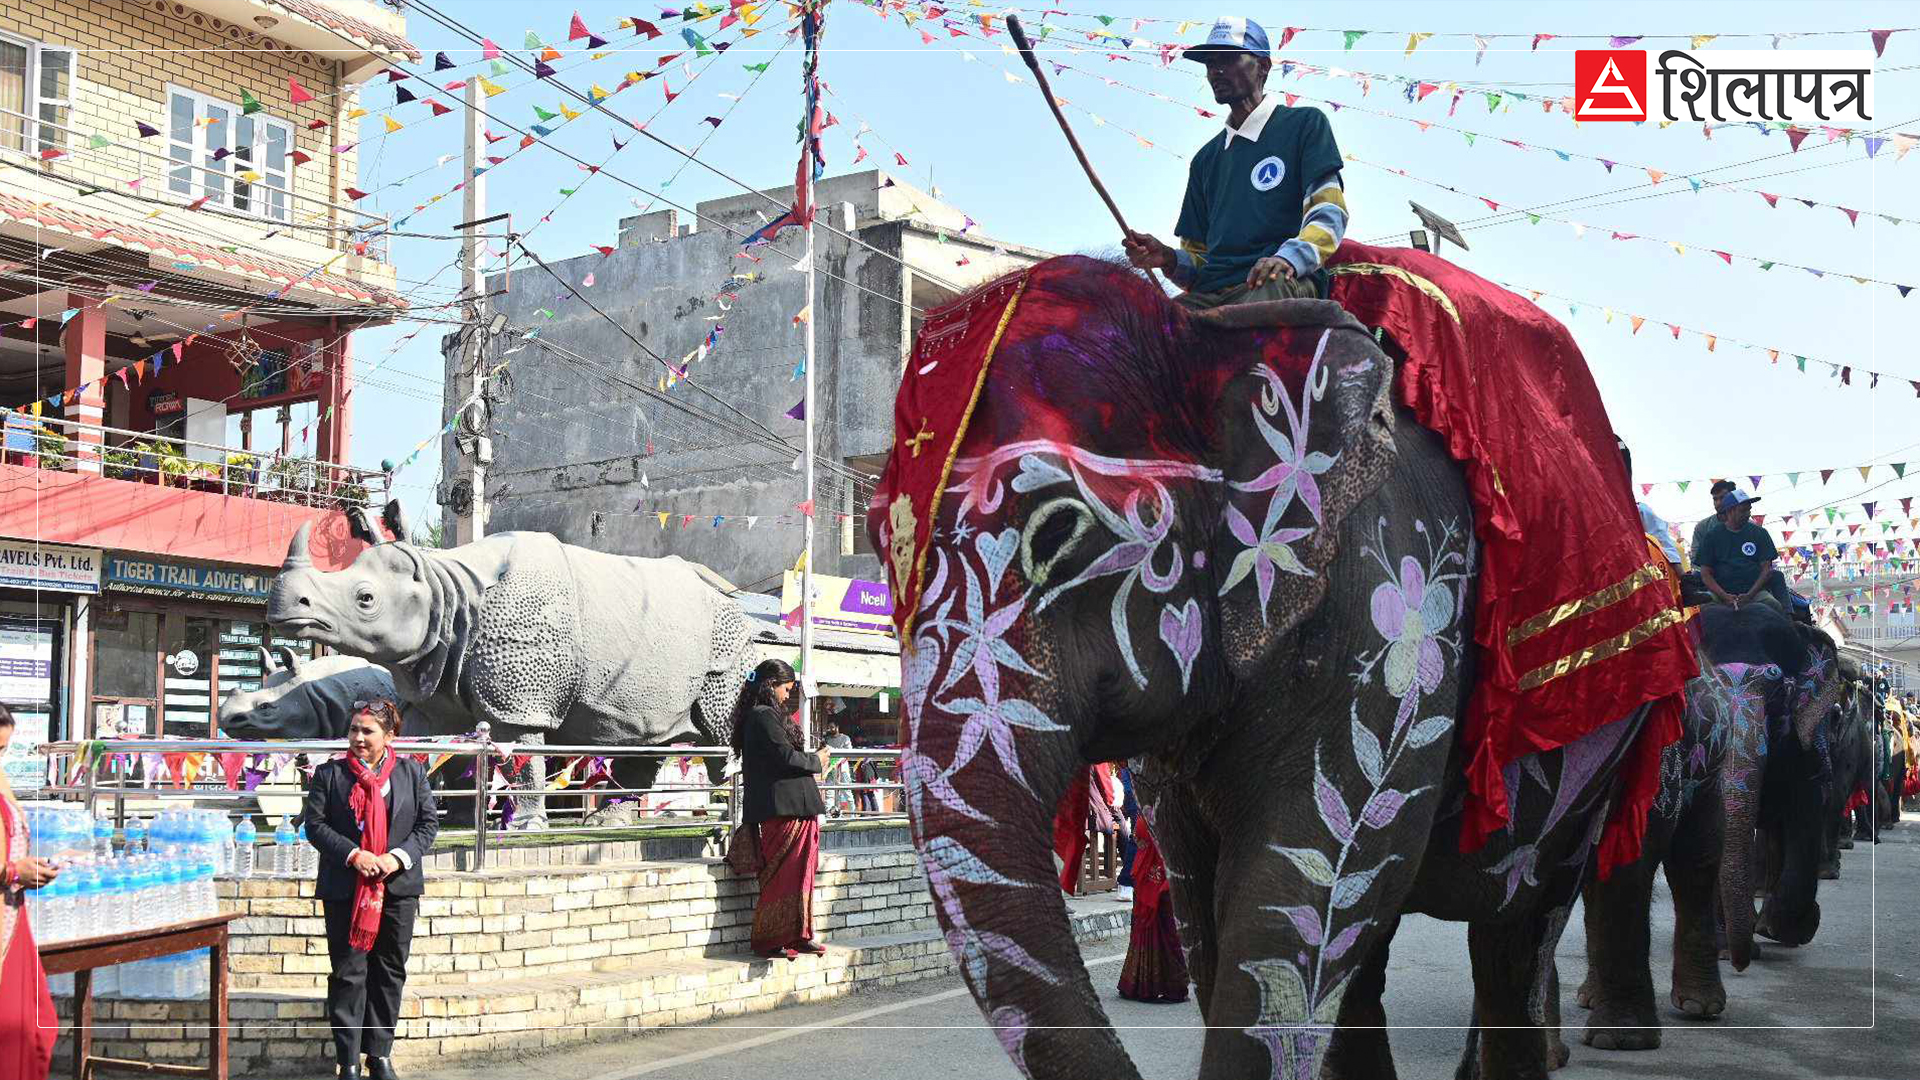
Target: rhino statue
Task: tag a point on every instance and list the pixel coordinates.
(303, 699)
(545, 641)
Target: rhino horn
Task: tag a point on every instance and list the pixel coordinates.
(267, 663)
(289, 660)
(299, 552)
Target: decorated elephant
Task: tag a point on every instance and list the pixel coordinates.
(1850, 741)
(303, 700)
(1226, 548)
(1755, 749)
(545, 641)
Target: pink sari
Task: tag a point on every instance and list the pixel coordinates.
(790, 854)
(28, 1025)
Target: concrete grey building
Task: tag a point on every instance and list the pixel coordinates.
(587, 446)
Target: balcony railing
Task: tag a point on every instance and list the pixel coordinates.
(335, 226)
(72, 446)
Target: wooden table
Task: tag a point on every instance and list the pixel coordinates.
(81, 955)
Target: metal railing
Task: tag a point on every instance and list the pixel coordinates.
(115, 772)
(116, 167)
(143, 457)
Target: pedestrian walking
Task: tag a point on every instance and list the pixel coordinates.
(782, 803)
(1155, 969)
(372, 818)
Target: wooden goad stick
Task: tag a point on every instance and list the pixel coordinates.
(1021, 41)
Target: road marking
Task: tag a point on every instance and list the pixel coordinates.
(691, 1057)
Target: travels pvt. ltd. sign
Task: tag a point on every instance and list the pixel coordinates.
(150, 577)
(841, 603)
(49, 567)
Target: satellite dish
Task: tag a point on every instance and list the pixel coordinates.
(1442, 228)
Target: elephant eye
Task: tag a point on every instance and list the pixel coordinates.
(364, 598)
(1052, 532)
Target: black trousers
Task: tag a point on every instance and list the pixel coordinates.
(363, 993)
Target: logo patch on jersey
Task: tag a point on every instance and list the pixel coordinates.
(1748, 549)
(1268, 174)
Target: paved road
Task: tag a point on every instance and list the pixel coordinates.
(1823, 1011)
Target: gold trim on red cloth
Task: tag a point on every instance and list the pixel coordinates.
(1573, 609)
(1613, 646)
(912, 597)
(1439, 296)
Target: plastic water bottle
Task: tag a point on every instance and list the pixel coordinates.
(59, 904)
(284, 839)
(244, 836)
(136, 839)
(223, 831)
(306, 859)
(86, 901)
(206, 899)
(103, 838)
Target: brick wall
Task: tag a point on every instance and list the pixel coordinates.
(129, 51)
(537, 957)
(544, 921)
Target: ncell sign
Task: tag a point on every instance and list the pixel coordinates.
(1833, 87)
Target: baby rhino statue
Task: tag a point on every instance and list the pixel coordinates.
(543, 640)
(303, 699)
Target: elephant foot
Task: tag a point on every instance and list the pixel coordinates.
(1830, 872)
(1558, 1054)
(1846, 843)
(1583, 997)
(1864, 837)
(1700, 1002)
(1611, 1028)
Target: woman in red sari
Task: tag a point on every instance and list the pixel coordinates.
(1155, 969)
(781, 801)
(27, 1022)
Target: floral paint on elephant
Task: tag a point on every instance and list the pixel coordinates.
(1416, 610)
(1733, 701)
(964, 664)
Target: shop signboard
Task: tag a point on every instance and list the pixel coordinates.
(841, 603)
(25, 564)
(26, 662)
(200, 581)
(165, 403)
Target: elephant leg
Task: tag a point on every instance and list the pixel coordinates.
(1863, 821)
(1287, 952)
(1693, 871)
(1619, 986)
(1513, 977)
(1359, 1049)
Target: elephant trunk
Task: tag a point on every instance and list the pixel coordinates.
(984, 834)
(1736, 876)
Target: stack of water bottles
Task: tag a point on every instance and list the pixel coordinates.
(164, 874)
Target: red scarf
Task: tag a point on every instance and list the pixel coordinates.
(369, 893)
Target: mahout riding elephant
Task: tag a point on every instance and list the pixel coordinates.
(1260, 592)
(544, 641)
(1757, 723)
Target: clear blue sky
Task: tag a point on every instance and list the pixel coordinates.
(993, 150)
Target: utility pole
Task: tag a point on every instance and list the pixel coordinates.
(806, 467)
(465, 498)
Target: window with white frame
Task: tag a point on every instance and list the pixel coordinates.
(36, 83)
(229, 158)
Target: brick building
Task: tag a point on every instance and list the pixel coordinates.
(181, 270)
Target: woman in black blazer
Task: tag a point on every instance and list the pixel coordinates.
(782, 803)
(370, 882)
